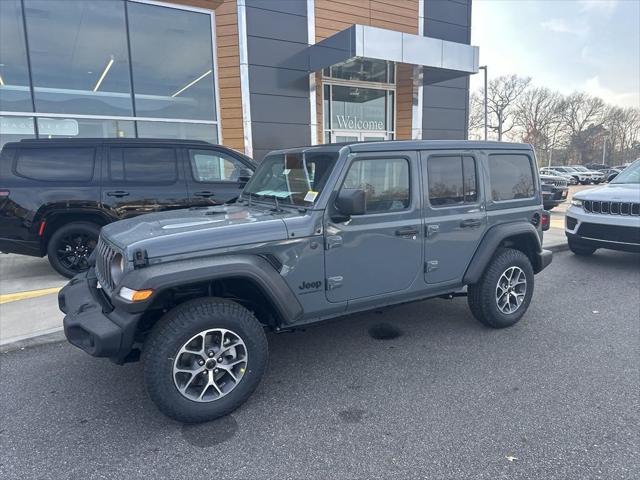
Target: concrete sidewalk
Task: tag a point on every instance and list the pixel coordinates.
(36, 318)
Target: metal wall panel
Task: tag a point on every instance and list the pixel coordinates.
(277, 40)
(445, 112)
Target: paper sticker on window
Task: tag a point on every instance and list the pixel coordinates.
(286, 171)
(310, 196)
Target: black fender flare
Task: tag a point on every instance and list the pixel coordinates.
(492, 240)
(254, 268)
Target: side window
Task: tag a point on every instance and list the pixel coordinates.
(452, 180)
(143, 165)
(56, 164)
(385, 182)
(210, 166)
(511, 177)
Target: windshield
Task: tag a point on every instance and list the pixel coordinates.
(291, 178)
(631, 174)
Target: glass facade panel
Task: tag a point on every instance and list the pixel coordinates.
(354, 108)
(14, 129)
(15, 91)
(79, 56)
(172, 60)
(364, 70)
(84, 128)
(188, 131)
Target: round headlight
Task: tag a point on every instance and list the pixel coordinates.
(116, 267)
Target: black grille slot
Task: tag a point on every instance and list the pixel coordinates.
(615, 208)
(587, 205)
(597, 207)
(615, 233)
(635, 209)
(104, 257)
(605, 207)
(571, 223)
(624, 209)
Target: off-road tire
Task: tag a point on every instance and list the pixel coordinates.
(87, 231)
(481, 296)
(580, 249)
(174, 329)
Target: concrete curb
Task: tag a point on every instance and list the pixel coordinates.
(34, 340)
(557, 247)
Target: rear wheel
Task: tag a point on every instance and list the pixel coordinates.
(504, 291)
(204, 359)
(69, 247)
(581, 249)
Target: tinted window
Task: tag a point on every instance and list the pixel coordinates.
(56, 164)
(452, 180)
(208, 166)
(143, 165)
(511, 177)
(15, 94)
(385, 182)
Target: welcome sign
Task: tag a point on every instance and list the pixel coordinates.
(351, 122)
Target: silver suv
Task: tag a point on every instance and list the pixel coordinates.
(607, 216)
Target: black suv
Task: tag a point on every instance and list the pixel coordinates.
(56, 194)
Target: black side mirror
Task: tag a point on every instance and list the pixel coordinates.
(244, 176)
(351, 201)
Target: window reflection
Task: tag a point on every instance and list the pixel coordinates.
(172, 60)
(187, 131)
(79, 56)
(15, 94)
(85, 128)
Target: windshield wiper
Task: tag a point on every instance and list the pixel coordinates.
(261, 196)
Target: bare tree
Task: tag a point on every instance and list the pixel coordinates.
(580, 113)
(476, 114)
(539, 117)
(503, 92)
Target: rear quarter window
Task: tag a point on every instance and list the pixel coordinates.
(511, 177)
(56, 164)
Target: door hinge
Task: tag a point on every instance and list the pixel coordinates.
(432, 230)
(333, 241)
(140, 259)
(430, 266)
(334, 282)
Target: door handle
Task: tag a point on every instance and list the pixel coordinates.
(471, 223)
(407, 232)
(118, 193)
(205, 194)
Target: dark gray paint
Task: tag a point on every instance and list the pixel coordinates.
(278, 79)
(445, 100)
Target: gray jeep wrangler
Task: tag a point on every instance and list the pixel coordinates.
(318, 232)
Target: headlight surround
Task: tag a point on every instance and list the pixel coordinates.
(116, 267)
(576, 203)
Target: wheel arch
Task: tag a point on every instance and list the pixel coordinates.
(521, 236)
(54, 219)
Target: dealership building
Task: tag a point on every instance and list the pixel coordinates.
(254, 75)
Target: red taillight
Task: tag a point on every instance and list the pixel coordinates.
(545, 221)
(4, 193)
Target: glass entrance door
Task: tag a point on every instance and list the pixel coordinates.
(349, 136)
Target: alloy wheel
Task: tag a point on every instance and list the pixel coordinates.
(511, 290)
(210, 365)
(73, 251)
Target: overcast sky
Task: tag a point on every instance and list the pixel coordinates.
(566, 45)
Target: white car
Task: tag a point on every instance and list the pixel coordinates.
(607, 216)
(580, 177)
(596, 177)
(571, 180)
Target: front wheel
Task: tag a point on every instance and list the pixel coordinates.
(204, 359)
(504, 291)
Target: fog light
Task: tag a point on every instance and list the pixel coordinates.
(135, 295)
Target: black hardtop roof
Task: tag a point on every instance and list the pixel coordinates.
(398, 145)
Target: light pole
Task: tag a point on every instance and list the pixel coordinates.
(604, 149)
(486, 116)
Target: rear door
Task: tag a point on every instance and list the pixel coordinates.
(141, 179)
(213, 176)
(455, 214)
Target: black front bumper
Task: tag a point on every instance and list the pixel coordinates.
(90, 321)
(633, 247)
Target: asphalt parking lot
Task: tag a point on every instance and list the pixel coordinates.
(556, 396)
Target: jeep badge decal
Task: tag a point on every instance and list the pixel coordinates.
(310, 285)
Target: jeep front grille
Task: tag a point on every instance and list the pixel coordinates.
(611, 208)
(104, 256)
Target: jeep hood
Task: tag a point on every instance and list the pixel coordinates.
(191, 230)
(621, 192)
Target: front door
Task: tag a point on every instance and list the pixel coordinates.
(379, 252)
(354, 136)
(455, 214)
(142, 179)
